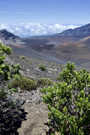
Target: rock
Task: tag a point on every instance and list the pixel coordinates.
(28, 70)
(28, 101)
(20, 102)
(50, 72)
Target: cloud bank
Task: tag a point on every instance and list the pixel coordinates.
(35, 29)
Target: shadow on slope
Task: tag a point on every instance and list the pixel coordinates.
(11, 117)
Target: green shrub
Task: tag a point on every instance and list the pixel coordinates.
(69, 102)
(42, 67)
(3, 94)
(24, 83)
(22, 57)
(11, 112)
(44, 82)
(27, 84)
(4, 68)
(5, 50)
(6, 71)
(13, 90)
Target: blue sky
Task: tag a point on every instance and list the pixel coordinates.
(45, 11)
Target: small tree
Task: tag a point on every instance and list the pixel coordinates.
(69, 102)
(6, 71)
(11, 112)
(4, 68)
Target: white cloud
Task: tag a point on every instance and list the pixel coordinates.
(31, 29)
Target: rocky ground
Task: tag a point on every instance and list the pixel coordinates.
(30, 67)
(37, 112)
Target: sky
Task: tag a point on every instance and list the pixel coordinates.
(50, 15)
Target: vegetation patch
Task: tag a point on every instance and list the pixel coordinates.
(23, 83)
(11, 112)
(22, 57)
(69, 102)
(44, 82)
(42, 67)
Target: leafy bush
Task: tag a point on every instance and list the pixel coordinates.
(7, 71)
(44, 82)
(13, 90)
(4, 68)
(23, 82)
(22, 57)
(3, 94)
(11, 112)
(69, 102)
(42, 67)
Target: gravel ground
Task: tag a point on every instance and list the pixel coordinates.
(37, 113)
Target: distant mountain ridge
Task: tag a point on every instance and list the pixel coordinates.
(81, 32)
(7, 35)
(9, 38)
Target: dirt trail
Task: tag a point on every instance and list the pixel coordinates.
(37, 116)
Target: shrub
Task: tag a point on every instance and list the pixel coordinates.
(22, 57)
(7, 71)
(4, 68)
(24, 83)
(11, 113)
(69, 102)
(13, 90)
(42, 67)
(44, 82)
(3, 94)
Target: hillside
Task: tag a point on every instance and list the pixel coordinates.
(70, 45)
(9, 38)
(80, 32)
